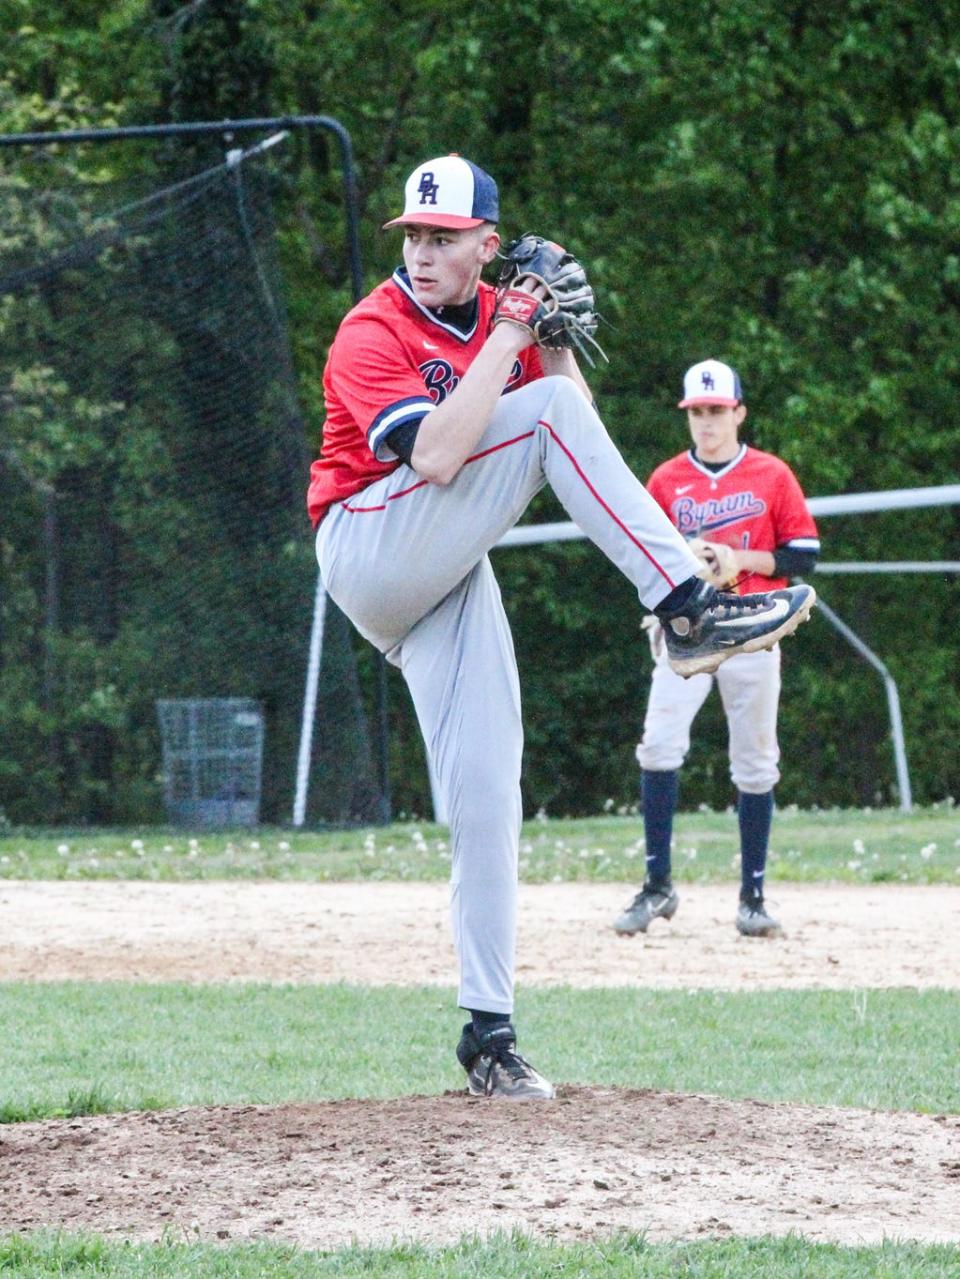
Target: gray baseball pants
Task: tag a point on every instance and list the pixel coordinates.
(407, 562)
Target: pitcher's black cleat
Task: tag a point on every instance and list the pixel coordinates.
(715, 625)
(495, 1068)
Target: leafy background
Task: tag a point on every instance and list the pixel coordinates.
(775, 185)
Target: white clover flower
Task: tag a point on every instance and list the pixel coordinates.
(927, 851)
(854, 865)
(63, 849)
(858, 846)
(284, 846)
(136, 844)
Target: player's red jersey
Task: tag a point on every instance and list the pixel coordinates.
(391, 362)
(753, 503)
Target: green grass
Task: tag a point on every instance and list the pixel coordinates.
(82, 1048)
(848, 845)
(76, 1048)
(503, 1257)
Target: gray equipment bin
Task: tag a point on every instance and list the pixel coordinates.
(212, 760)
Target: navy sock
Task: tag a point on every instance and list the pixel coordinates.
(755, 814)
(658, 793)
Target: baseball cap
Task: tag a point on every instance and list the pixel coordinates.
(711, 382)
(449, 192)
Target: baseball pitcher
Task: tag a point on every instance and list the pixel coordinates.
(449, 404)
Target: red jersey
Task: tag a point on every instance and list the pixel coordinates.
(391, 362)
(753, 503)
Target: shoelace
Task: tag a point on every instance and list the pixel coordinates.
(730, 604)
(508, 1059)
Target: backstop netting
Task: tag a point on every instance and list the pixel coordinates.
(154, 543)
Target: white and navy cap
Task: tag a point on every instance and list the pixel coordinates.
(449, 192)
(711, 382)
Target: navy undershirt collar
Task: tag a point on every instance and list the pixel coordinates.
(463, 316)
(460, 320)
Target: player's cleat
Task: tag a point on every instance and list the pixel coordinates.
(754, 920)
(495, 1068)
(654, 901)
(718, 625)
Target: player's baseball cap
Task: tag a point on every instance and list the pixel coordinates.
(449, 192)
(711, 382)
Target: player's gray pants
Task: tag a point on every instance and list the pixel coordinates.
(750, 690)
(407, 562)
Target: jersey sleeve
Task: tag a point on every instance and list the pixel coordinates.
(373, 379)
(794, 525)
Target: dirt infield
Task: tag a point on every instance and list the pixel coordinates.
(835, 937)
(434, 1168)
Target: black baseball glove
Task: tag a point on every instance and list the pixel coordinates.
(566, 317)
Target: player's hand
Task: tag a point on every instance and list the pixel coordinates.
(513, 317)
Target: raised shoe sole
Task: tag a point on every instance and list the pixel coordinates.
(709, 662)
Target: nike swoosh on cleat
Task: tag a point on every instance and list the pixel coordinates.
(779, 609)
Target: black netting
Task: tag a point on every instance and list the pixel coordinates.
(154, 542)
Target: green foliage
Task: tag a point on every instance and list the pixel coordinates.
(774, 185)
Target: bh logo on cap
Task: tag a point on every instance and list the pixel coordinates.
(711, 382)
(449, 192)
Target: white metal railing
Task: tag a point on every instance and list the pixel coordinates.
(535, 534)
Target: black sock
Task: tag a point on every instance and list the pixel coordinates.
(693, 595)
(484, 1022)
(675, 601)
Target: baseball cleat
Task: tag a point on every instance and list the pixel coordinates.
(731, 624)
(495, 1068)
(652, 902)
(754, 920)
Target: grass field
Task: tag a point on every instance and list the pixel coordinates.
(81, 1048)
(509, 1257)
(94, 1048)
(862, 846)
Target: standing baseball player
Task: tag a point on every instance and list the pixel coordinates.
(747, 519)
(449, 405)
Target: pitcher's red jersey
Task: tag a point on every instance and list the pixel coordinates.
(391, 362)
